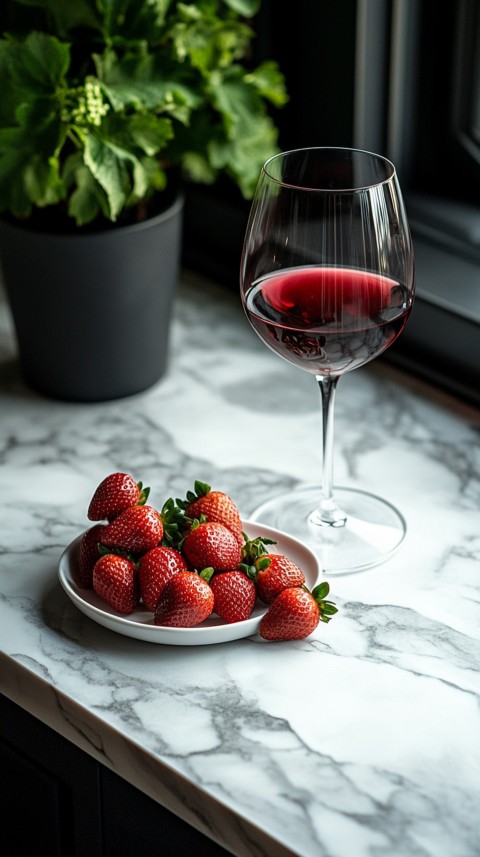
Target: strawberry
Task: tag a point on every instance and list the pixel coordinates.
(270, 572)
(137, 529)
(115, 582)
(210, 544)
(155, 568)
(296, 612)
(274, 573)
(234, 595)
(88, 554)
(116, 493)
(185, 601)
(207, 505)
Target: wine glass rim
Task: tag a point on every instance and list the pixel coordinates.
(279, 155)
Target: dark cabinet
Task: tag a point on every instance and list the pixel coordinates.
(56, 801)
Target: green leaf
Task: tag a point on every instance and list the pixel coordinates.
(139, 133)
(246, 8)
(29, 164)
(42, 181)
(169, 91)
(140, 82)
(8, 101)
(10, 139)
(118, 156)
(87, 199)
(206, 41)
(84, 205)
(321, 591)
(156, 175)
(243, 155)
(144, 494)
(329, 609)
(13, 196)
(250, 136)
(140, 182)
(197, 168)
(130, 21)
(269, 82)
(44, 133)
(108, 166)
(233, 98)
(38, 64)
(150, 133)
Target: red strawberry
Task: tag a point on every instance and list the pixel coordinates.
(117, 492)
(275, 572)
(185, 601)
(155, 568)
(88, 554)
(234, 595)
(272, 572)
(115, 582)
(209, 505)
(211, 545)
(296, 612)
(136, 530)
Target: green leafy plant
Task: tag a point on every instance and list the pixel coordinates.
(103, 101)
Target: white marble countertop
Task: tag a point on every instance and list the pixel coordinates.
(363, 740)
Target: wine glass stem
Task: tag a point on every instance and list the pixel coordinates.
(328, 513)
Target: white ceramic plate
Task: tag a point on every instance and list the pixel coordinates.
(214, 630)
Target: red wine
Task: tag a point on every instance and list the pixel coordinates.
(327, 320)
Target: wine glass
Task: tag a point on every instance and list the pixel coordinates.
(327, 282)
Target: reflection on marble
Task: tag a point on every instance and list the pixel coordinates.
(362, 741)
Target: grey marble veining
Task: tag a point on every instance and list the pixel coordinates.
(362, 741)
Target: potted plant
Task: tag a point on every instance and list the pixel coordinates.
(107, 107)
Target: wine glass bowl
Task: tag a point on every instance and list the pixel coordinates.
(327, 282)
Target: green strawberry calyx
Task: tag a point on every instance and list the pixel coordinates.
(253, 549)
(206, 574)
(200, 489)
(175, 524)
(327, 608)
(143, 494)
(193, 523)
(254, 557)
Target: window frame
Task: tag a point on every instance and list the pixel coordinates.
(442, 339)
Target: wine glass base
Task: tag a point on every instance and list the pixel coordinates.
(372, 533)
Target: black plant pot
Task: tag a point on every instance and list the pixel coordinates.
(92, 311)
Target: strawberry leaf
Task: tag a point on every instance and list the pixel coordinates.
(329, 608)
(144, 492)
(174, 524)
(249, 570)
(321, 591)
(201, 488)
(255, 548)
